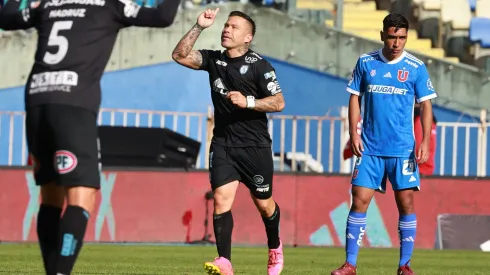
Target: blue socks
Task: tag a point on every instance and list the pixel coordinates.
(356, 227)
(407, 229)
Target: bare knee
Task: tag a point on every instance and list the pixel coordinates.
(266, 207)
(224, 196)
(52, 195)
(83, 197)
(361, 198)
(405, 202)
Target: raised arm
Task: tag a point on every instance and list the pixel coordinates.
(129, 13)
(183, 52)
(13, 18)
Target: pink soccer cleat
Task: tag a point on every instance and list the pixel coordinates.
(276, 261)
(220, 266)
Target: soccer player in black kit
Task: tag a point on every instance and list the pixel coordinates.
(62, 99)
(243, 89)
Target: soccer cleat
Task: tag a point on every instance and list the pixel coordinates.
(345, 269)
(220, 266)
(405, 270)
(276, 261)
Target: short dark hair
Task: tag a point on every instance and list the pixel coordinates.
(396, 20)
(246, 17)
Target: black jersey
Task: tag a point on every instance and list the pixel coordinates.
(250, 74)
(75, 41)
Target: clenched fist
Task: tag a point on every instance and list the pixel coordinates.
(237, 99)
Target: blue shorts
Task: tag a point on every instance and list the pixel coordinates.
(373, 171)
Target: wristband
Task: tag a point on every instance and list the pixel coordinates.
(250, 102)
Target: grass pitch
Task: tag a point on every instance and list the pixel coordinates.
(19, 259)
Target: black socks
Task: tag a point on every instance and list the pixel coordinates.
(272, 228)
(48, 223)
(70, 238)
(223, 227)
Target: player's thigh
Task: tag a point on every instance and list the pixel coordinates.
(40, 145)
(256, 168)
(403, 173)
(221, 169)
(369, 172)
(75, 136)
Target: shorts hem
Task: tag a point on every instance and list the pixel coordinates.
(417, 187)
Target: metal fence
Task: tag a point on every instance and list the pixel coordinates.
(300, 143)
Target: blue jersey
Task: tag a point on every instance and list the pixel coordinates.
(389, 90)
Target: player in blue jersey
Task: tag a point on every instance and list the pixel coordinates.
(390, 81)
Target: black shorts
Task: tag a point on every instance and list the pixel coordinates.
(252, 166)
(63, 143)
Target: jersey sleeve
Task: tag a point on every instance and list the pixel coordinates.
(355, 82)
(128, 13)
(267, 85)
(12, 17)
(423, 85)
(207, 58)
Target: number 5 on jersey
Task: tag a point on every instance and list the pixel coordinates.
(55, 39)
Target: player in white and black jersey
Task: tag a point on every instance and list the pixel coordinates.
(62, 99)
(244, 87)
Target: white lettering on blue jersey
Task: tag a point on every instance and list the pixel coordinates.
(389, 90)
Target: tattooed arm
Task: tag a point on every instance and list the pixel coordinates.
(183, 52)
(270, 104)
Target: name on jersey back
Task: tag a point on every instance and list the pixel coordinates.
(63, 13)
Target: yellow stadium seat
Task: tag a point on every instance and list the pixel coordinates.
(359, 7)
(315, 5)
(368, 15)
(452, 59)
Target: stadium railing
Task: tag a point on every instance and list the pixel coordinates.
(300, 143)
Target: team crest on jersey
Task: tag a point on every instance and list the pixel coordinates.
(373, 73)
(244, 69)
(402, 75)
(354, 174)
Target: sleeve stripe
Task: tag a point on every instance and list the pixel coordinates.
(352, 91)
(427, 97)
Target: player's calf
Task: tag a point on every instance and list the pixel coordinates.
(48, 221)
(223, 219)
(271, 216)
(73, 226)
(407, 225)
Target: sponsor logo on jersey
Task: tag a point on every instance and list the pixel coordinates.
(58, 3)
(273, 87)
(66, 161)
(221, 63)
(271, 75)
(131, 9)
(381, 89)
(250, 59)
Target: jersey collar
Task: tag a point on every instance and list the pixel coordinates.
(394, 61)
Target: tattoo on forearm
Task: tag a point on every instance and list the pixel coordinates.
(273, 103)
(185, 45)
